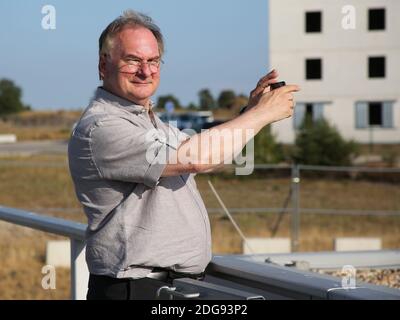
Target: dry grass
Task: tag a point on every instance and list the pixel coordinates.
(42, 133)
(317, 232)
(22, 250)
(40, 125)
(314, 193)
(56, 125)
(32, 182)
(22, 258)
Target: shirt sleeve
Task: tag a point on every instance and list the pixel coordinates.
(179, 136)
(124, 151)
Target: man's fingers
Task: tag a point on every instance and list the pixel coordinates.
(289, 88)
(271, 75)
(255, 92)
(289, 96)
(262, 87)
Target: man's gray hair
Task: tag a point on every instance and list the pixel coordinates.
(129, 18)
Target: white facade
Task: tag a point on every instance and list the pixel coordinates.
(345, 94)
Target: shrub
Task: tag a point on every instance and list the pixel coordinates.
(266, 149)
(319, 143)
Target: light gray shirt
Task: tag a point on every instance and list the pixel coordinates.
(137, 219)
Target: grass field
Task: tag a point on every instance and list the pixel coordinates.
(40, 125)
(41, 186)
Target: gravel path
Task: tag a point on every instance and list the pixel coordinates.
(383, 277)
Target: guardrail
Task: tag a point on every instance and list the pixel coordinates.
(259, 274)
(269, 279)
(296, 174)
(73, 230)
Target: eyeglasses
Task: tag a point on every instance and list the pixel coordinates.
(133, 65)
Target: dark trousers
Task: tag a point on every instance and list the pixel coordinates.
(107, 288)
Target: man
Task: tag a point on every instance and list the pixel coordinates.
(133, 174)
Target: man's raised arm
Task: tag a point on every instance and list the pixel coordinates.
(208, 150)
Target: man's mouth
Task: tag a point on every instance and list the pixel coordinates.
(141, 83)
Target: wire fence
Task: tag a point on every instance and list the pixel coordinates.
(280, 191)
(316, 190)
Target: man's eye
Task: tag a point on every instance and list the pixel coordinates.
(133, 61)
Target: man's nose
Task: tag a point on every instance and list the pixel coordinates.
(145, 69)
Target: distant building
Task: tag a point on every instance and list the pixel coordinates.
(349, 76)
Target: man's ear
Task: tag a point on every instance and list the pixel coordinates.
(102, 65)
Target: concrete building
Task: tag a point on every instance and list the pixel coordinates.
(345, 55)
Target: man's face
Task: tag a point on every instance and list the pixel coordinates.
(130, 46)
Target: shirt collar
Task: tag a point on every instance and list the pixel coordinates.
(107, 96)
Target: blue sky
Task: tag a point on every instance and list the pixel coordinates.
(218, 45)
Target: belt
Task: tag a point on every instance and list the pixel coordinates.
(169, 275)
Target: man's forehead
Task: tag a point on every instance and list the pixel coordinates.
(137, 41)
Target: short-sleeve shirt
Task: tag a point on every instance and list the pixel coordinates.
(137, 220)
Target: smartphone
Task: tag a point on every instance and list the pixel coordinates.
(277, 85)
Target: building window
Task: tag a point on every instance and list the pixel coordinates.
(376, 67)
(374, 114)
(313, 21)
(376, 19)
(311, 110)
(313, 69)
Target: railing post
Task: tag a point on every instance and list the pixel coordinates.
(296, 208)
(79, 271)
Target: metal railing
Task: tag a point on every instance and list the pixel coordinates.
(295, 188)
(293, 206)
(73, 230)
(272, 280)
(76, 231)
(294, 196)
(275, 281)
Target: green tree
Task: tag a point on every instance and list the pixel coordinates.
(266, 149)
(162, 100)
(319, 143)
(206, 100)
(240, 101)
(227, 99)
(192, 106)
(10, 98)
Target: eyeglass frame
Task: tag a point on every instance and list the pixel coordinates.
(138, 63)
(106, 55)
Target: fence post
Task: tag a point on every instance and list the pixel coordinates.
(296, 208)
(79, 271)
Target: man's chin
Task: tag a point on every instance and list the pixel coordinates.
(141, 97)
(142, 89)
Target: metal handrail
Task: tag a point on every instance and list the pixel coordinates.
(291, 283)
(280, 280)
(33, 220)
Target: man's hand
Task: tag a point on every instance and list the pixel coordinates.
(277, 104)
(262, 87)
(266, 106)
